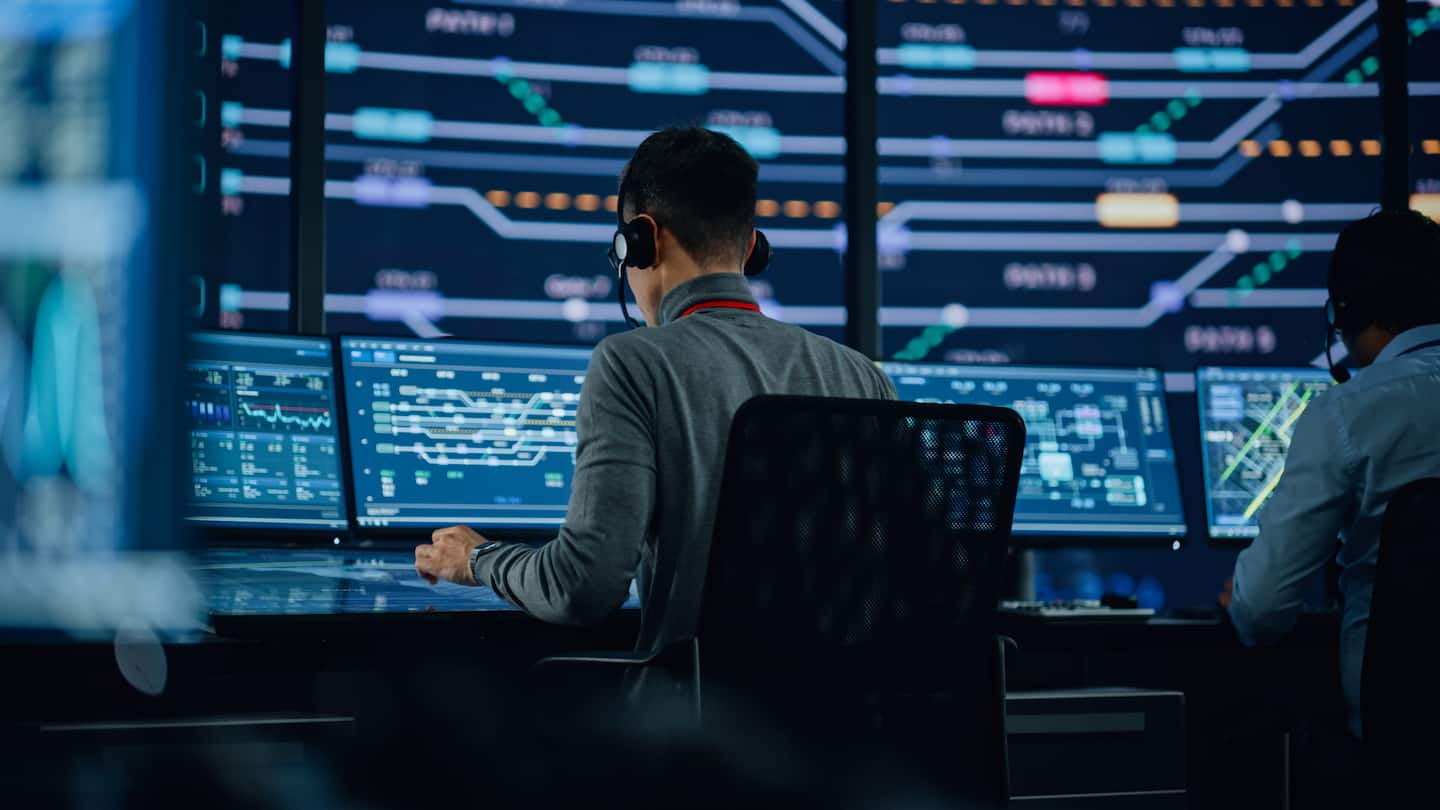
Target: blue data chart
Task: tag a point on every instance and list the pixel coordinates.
(264, 433)
(447, 432)
(1154, 183)
(1247, 416)
(1098, 455)
(474, 151)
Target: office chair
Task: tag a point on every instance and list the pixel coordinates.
(1399, 701)
(850, 587)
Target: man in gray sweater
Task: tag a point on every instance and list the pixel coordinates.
(657, 402)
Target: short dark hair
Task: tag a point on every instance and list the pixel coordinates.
(699, 184)
(1385, 271)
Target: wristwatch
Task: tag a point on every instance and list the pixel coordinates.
(482, 549)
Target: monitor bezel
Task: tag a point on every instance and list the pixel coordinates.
(1097, 540)
(306, 536)
(1220, 540)
(421, 534)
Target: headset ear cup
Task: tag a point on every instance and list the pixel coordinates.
(640, 242)
(759, 259)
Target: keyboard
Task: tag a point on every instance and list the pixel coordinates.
(1079, 609)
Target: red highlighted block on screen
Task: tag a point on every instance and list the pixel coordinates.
(1067, 89)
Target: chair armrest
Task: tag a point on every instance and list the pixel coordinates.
(629, 658)
(1008, 645)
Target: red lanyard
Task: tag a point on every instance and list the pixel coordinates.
(720, 305)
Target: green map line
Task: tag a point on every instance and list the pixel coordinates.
(534, 103)
(1259, 431)
(1274, 482)
(1294, 417)
(1264, 494)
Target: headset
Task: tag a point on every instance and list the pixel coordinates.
(634, 245)
(1356, 306)
(1339, 374)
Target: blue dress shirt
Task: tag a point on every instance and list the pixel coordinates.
(1352, 449)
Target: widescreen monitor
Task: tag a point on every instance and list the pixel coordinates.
(94, 226)
(1247, 416)
(449, 432)
(264, 433)
(1099, 460)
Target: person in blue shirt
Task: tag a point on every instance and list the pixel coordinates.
(1357, 443)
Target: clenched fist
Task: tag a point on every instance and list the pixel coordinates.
(447, 556)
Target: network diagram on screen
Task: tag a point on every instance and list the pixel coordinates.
(264, 446)
(461, 432)
(1247, 418)
(1098, 455)
(1177, 170)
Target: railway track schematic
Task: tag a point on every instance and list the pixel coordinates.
(460, 432)
(1247, 417)
(1066, 178)
(474, 152)
(244, 284)
(1163, 179)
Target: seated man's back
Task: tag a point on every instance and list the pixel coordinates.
(1358, 443)
(657, 404)
(691, 375)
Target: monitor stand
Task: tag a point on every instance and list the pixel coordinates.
(1019, 576)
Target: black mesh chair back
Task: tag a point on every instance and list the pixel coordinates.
(855, 570)
(1399, 703)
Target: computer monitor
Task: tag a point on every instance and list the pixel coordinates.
(264, 434)
(1247, 416)
(461, 432)
(94, 231)
(1099, 461)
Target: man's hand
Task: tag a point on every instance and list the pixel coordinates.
(447, 556)
(1223, 600)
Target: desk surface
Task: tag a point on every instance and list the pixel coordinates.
(323, 582)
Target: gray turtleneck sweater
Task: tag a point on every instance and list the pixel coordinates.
(653, 421)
